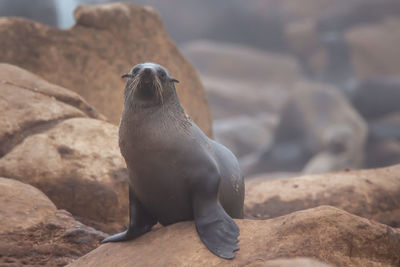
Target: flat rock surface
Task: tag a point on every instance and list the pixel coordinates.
(90, 57)
(289, 262)
(325, 233)
(374, 194)
(34, 233)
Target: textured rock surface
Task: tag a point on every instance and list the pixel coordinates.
(29, 104)
(22, 206)
(78, 165)
(293, 262)
(90, 57)
(324, 233)
(33, 232)
(374, 194)
(52, 139)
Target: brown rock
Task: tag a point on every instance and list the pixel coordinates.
(372, 194)
(33, 232)
(22, 206)
(90, 57)
(78, 165)
(30, 104)
(294, 262)
(374, 49)
(13, 75)
(324, 233)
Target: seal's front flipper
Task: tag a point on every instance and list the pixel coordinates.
(140, 221)
(216, 229)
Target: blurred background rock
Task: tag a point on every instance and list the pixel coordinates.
(293, 86)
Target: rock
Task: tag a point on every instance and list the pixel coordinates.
(382, 153)
(374, 98)
(52, 139)
(33, 232)
(338, 152)
(240, 80)
(244, 134)
(312, 121)
(229, 99)
(90, 57)
(304, 41)
(78, 165)
(383, 147)
(22, 206)
(325, 233)
(293, 262)
(372, 194)
(238, 62)
(374, 49)
(29, 104)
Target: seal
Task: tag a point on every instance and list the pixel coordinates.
(176, 173)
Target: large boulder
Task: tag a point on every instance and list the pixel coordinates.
(374, 49)
(325, 233)
(33, 232)
(29, 103)
(245, 134)
(90, 57)
(78, 165)
(317, 118)
(52, 139)
(372, 194)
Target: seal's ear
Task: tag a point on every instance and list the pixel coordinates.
(174, 80)
(126, 75)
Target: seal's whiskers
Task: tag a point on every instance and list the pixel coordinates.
(158, 86)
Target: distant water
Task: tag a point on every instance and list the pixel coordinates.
(65, 13)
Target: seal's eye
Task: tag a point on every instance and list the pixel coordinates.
(135, 70)
(162, 74)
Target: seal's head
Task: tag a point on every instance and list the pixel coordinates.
(149, 83)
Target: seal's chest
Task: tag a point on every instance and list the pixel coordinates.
(165, 197)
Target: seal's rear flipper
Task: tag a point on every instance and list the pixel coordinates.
(216, 229)
(140, 221)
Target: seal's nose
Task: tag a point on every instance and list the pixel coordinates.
(147, 71)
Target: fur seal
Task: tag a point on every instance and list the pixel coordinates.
(176, 172)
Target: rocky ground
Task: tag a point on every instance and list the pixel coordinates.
(63, 180)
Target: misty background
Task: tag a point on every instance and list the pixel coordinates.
(293, 86)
